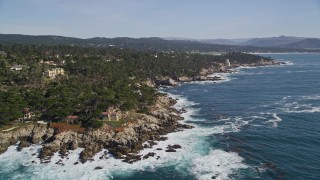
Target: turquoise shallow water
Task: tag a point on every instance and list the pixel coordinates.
(262, 123)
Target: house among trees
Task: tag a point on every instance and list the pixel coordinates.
(3, 54)
(27, 115)
(51, 63)
(54, 72)
(71, 119)
(228, 64)
(16, 67)
(111, 114)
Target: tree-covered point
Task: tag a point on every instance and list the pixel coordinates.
(94, 79)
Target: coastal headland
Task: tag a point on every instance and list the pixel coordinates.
(122, 142)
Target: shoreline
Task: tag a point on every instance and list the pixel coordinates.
(123, 145)
(211, 74)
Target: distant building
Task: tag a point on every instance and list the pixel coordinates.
(3, 53)
(111, 114)
(54, 72)
(27, 115)
(16, 67)
(228, 62)
(71, 119)
(51, 63)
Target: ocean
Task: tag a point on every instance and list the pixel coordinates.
(258, 123)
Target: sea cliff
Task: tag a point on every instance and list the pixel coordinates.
(122, 142)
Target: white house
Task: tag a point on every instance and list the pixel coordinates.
(54, 72)
(228, 63)
(16, 67)
(111, 114)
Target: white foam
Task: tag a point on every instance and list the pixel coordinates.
(310, 110)
(246, 67)
(287, 63)
(193, 143)
(258, 117)
(286, 97)
(313, 97)
(302, 105)
(218, 164)
(275, 120)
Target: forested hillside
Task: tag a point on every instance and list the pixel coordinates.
(141, 44)
(92, 79)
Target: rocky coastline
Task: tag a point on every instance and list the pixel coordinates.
(124, 143)
(207, 74)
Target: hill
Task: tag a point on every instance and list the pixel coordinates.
(150, 44)
(271, 41)
(310, 43)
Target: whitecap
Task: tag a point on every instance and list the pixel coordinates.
(310, 110)
(312, 97)
(193, 143)
(275, 120)
(218, 164)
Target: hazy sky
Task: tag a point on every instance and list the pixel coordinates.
(161, 18)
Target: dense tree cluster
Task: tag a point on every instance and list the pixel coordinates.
(94, 79)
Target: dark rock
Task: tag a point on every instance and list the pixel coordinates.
(47, 151)
(76, 163)
(98, 167)
(150, 154)
(131, 158)
(180, 118)
(184, 126)
(45, 162)
(89, 152)
(176, 146)
(162, 138)
(152, 143)
(73, 145)
(171, 150)
(22, 145)
(63, 151)
(58, 162)
(159, 149)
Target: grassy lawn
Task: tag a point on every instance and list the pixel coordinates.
(18, 125)
(116, 124)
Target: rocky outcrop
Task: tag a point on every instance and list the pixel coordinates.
(165, 81)
(161, 120)
(205, 73)
(28, 134)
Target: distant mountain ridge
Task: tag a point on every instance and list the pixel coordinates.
(272, 41)
(281, 41)
(310, 43)
(161, 44)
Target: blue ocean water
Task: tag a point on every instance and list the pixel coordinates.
(261, 123)
(278, 112)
